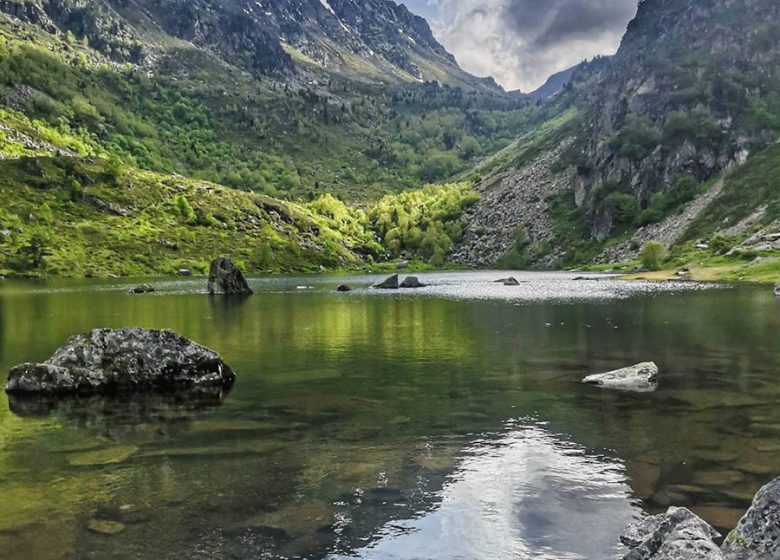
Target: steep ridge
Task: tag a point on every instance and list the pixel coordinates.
(376, 39)
(692, 93)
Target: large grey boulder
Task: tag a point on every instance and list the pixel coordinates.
(641, 378)
(226, 278)
(677, 535)
(109, 361)
(390, 283)
(757, 536)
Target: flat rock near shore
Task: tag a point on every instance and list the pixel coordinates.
(107, 360)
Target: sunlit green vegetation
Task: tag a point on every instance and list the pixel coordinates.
(423, 223)
(218, 124)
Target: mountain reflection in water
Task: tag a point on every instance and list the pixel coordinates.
(527, 494)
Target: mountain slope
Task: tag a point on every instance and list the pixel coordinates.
(297, 134)
(376, 39)
(693, 92)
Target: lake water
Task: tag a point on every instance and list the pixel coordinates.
(440, 424)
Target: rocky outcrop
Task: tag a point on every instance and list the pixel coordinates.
(384, 36)
(344, 288)
(109, 361)
(641, 378)
(412, 282)
(226, 278)
(390, 283)
(646, 127)
(513, 205)
(677, 535)
(757, 536)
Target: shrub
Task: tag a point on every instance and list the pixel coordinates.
(652, 255)
(637, 139)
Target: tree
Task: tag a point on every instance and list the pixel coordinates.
(36, 249)
(652, 255)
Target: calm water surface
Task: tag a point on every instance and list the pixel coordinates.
(447, 423)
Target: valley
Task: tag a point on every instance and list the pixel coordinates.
(343, 104)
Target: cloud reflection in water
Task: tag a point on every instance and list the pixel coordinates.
(528, 494)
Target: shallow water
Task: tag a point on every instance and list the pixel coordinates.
(446, 423)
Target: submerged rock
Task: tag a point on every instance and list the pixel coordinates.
(677, 535)
(343, 288)
(390, 283)
(757, 536)
(412, 282)
(226, 278)
(511, 281)
(108, 361)
(641, 377)
(105, 527)
(142, 289)
(108, 456)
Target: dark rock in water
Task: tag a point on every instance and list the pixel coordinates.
(511, 281)
(185, 272)
(390, 283)
(343, 288)
(777, 290)
(412, 282)
(108, 361)
(757, 536)
(676, 535)
(142, 289)
(641, 378)
(226, 278)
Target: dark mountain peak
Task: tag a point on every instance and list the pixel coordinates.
(378, 39)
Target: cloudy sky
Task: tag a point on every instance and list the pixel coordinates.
(522, 42)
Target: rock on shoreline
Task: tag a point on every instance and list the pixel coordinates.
(681, 535)
(109, 361)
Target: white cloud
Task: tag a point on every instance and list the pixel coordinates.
(522, 42)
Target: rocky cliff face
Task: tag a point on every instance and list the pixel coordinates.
(678, 98)
(374, 38)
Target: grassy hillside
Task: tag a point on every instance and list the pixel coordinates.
(62, 216)
(199, 117)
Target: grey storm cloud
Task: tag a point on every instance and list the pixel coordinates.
(522, 42)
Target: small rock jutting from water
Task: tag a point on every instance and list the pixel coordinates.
(641, 378)
(777, 290)
(343, 288)
(142, 289)
(110, 361)
(226, 278)
(676, 535)
(511, 281)
(757, 536)
(391, 283)
(412, 282)
(185, 272)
